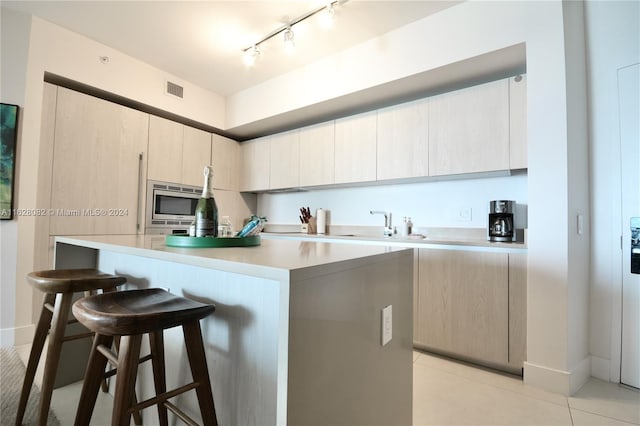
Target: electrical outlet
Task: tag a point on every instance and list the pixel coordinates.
(464, 214)
(387, 325)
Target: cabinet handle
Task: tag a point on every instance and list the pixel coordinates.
(138, 209)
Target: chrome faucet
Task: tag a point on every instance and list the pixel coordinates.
(388, 229)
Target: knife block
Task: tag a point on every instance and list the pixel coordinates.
(309, 227)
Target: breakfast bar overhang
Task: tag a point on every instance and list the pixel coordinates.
(296, 337)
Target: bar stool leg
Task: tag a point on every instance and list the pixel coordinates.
(92, 380)
(105, 381)
(42, 329)
(156, 342)
(126, 379)
(61, 311)
(199, 371)
(137, 415)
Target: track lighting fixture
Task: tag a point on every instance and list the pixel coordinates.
(326, 16)
(251, 53)
(289, 41)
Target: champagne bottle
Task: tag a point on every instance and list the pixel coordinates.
(206, 209)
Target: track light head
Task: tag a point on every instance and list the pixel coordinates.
(327, 15)
(251, 55)
(289, 41)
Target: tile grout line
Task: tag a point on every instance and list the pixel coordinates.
(631, 422)
(570, 413)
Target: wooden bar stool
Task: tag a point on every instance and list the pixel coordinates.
(59, 287)
(129, 315)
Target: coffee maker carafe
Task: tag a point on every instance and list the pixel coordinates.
(501, 221)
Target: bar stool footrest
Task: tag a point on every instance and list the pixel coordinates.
(180, 414)
(159, 399)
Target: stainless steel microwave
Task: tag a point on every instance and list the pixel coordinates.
(171, 207)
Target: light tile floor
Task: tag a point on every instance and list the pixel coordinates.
(452, 393)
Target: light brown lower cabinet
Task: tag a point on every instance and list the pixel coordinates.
(471, 305)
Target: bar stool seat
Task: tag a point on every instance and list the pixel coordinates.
(129, 315)
(59, 286)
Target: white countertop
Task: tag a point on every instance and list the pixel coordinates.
(440, 242)
(277, 255)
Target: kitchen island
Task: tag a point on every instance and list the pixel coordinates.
(296, 337)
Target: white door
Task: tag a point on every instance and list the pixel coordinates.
(629, 104)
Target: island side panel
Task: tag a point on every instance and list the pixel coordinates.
(339, 372)
(241, 337)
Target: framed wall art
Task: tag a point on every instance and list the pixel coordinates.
(8, 140)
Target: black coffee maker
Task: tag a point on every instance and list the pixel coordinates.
(501, 225)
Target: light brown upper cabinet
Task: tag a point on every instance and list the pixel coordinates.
(256, 164)
(478, 129)
(355, 148)
(177, 153)
(317, 148)
(403, 141)
(196, 154)
(469, 130)
(99, 164)
(284, 167)
(226, 159)
(518, 122)
(165, 150)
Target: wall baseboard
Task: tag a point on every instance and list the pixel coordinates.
(601, 368)
(16, 336)
(558, 381)
(7, 337)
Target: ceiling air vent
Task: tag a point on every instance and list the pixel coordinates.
(174, 89)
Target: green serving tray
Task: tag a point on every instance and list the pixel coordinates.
(202, 242)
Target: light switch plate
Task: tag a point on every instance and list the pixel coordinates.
(387, 324)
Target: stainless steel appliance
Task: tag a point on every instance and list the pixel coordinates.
(501, 224)
(170, 207)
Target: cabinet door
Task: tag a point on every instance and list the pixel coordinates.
(469, 130)
(518, 122)
(317, 154)
(464, 304)
(226, 161)
(165, 150)
(355, 148)
(196, 154)
(517, 309)
(284, 169)
(43, 245)
(97, 166)
(255, 164)
(403, 135)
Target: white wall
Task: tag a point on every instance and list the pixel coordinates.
(14, 45)
(613, 42)
(429, 204)
(578, 201)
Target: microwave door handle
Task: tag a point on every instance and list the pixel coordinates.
(139, 194)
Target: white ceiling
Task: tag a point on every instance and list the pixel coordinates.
(202, 41)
